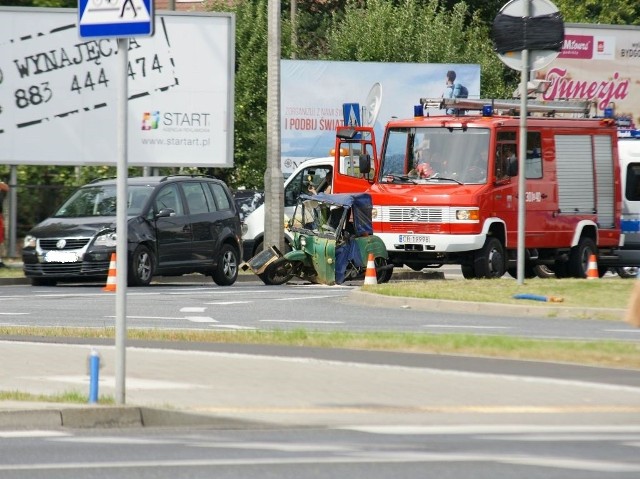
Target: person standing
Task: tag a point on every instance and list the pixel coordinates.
(4, 188)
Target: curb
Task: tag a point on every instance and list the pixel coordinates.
(498, 309)
(81, 417)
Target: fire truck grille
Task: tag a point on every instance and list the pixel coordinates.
(414, 214)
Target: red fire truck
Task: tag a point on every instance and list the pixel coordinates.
(445, 186)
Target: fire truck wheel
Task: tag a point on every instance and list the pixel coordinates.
(529, 271)
(561, 269)
(490, 261)
(467, 271)
(579, 257)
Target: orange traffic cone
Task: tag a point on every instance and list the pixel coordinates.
(592, 271)
(370, 276)
(111, 278)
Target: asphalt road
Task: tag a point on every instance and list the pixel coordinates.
(250, 305)
(366, 452)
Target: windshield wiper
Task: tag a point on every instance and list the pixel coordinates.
(401, 178)
(443, 178)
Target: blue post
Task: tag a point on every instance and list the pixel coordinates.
(94, 371)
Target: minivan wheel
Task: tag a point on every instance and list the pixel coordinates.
(142, 267)
(226, 271)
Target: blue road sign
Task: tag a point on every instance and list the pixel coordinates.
(351, 114)
(115, 18)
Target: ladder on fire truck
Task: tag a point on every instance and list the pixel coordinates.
(512, 106)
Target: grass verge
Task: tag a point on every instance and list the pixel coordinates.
(594, 353)
(66, 397)
(607, 293)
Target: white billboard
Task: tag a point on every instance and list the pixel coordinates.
(313, 92)
(58, 91)
(600, 63)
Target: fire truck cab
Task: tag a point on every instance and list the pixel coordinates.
(445, 188)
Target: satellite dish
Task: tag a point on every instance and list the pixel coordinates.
(372, 105)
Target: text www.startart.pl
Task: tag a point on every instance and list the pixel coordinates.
(177, 141)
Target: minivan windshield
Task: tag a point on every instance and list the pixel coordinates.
(101, 201)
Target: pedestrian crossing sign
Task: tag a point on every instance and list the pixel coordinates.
(115, 18)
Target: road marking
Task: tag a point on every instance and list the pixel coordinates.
(200, 319)
(362, 457)
(176, 318)
(299, 321)
(227, 303)
(424, 409)
(34, 433)
(193, 310)
(13, 314)
(303, 298)
(464, 326)
(233, 326)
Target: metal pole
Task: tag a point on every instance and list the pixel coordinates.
(121, 222)
(522, 154)
(273, 179)
(13, 211)
(294, 28)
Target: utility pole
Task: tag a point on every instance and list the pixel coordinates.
(273, 179)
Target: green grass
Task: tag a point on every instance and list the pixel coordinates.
(601, 293)
(66, 397)
(597, 353)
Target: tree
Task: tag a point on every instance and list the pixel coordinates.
(420, 32)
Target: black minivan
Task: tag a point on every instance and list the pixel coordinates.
(177, 225)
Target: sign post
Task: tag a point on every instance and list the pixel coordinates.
(119, 19)
(527, 35)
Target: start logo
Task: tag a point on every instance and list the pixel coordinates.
(150, 120)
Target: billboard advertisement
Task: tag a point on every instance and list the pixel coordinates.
(600, 63)
(58, 93)
(313, 93)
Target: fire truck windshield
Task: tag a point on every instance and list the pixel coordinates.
(436, 153)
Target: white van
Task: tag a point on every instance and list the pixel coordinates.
(315, 173)
(629, 153)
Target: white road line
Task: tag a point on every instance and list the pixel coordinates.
(178, 318)
(226, 303)
(233, 326)
(200, 319)
(299, 321)
(198, 309)
(304, 298)
(13, 314)
(34, 433)
(634, 331)
(464, 326)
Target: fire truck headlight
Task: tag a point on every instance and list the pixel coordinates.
(467, 215)
(375, 213)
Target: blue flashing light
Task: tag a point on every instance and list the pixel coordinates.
(608, 112)
(418, 110)
(487, 110)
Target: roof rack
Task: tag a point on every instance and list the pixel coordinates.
(512, 106)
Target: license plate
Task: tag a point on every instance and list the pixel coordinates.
(413, 239)
(60, 257)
